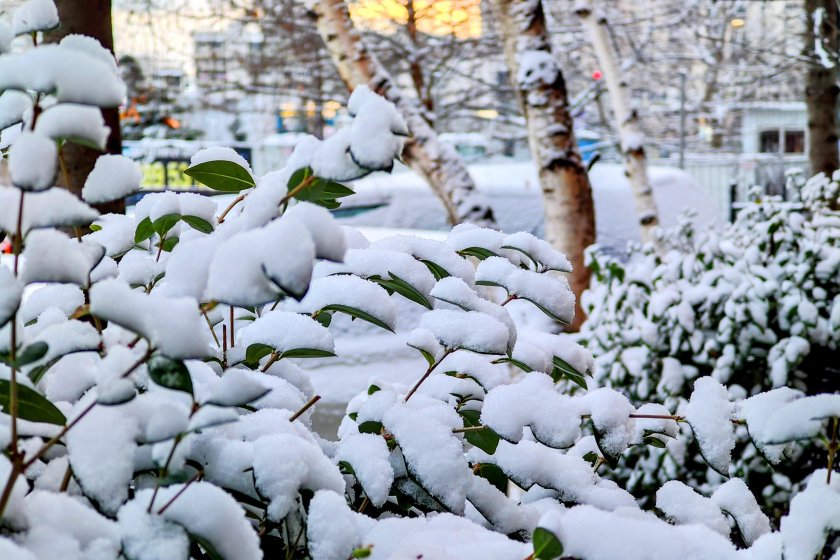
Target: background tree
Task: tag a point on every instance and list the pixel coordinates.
(541, 90)
(627, 119)
(434, 160)
(821, 45)
(92, 18)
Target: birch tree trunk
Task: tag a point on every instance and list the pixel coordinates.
(436, 161)
(821, 44)
(629, 133)
(92, 18)
(541, 91)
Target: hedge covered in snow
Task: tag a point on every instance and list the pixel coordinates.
(153, 407)
(755, 306)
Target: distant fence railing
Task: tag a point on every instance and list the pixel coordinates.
(727, 178)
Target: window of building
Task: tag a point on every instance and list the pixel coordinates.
(794, 141)
(768, 141)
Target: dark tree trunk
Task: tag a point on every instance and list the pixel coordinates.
(92, 18)
(821, 86)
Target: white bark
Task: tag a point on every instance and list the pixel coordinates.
(436, 161)
(629, 133)
(541, 91)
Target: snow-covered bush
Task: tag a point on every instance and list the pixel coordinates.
(153, 408)
(755, 306)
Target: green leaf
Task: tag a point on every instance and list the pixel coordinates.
(163, 224)
(400, 286)
(169, 373)
(298, 177)
(508, 360)
(31, 405)
(356, 314)
(144, 230)
(524, 252)
(370, 427)
(169, 243)
(478, 252)
(209, 550)
(94, 227)
(485, 439)
(563, 369)
(655, 442)
(494, 475)
(373, 388)
(256, 352)
(437, 271)
(323, 189)
(307, 353)
(32, 353)
(362, 552)
(324, 317)
(426, 354)
(221, 175)
(197, 223)
(591, 458)
(546, 544)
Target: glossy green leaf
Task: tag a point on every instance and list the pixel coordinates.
(563, 369)
(307, 353)
(485, 439)
(256, 352)
(546, 544)
(298, 176)
(31, 405)
(370, 427)
(32, 353)
(356, 314)
(165, 223)
(428, 356)
(221, 175)
(169, 373)
(478, 252)
(494, 475)
(169, 243)
(508, 360)
(396, 284)
(437, 271)
(144, 230)
(197, 223)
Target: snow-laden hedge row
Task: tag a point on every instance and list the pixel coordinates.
(153, 408)
(755, 306)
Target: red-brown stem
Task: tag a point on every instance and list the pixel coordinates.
(230, 207)
(212, 330)
(427, 374)
(177, 495)
(232, 337)
(509, 299)
(832, 450)
(305, 407)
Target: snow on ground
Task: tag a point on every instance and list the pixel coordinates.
(514, 192)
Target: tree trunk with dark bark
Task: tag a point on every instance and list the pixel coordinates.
(821, 84)
(92, 18)
(434, 160)
(541, 90)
